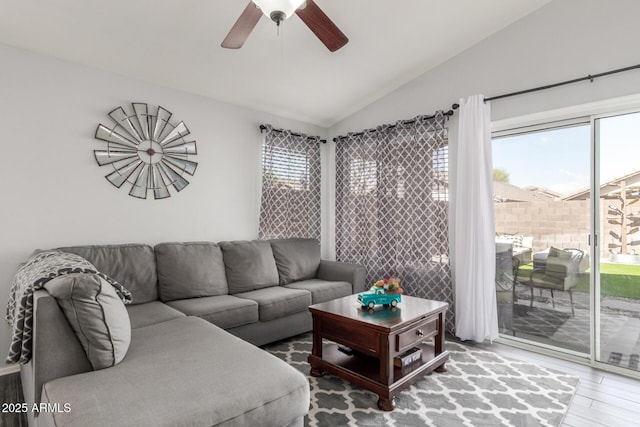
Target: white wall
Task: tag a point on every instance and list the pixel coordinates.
(54, 194)
(561, 41)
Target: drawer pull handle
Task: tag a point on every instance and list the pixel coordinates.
(420, 332)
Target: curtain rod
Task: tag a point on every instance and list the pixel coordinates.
(263, 128)
(404, 122)
(590, 77)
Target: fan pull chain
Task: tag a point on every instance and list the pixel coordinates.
(281, 35)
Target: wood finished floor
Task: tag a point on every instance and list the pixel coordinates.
(11, 392)
(602, 398)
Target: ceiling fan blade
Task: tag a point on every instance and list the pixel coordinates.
(243, 27)
(322, 26)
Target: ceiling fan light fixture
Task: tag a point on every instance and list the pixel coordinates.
(278, 10)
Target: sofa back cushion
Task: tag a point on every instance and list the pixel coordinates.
(133, 266)
(249, 265)
(190, 270)
(296, 259)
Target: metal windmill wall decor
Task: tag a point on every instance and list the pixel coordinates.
(147, 151)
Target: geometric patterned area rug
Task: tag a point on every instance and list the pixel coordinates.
(480, 388)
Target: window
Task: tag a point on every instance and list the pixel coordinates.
(363, 176)
(290, 205)
(285, 168)
(392, 205)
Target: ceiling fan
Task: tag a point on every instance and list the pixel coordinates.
(280, 10)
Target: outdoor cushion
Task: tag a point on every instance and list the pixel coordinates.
(557, 269)
(322, 290)
(183, 372)
(150, 313)
(249, 265)
(96, 314)
(133, 266)
(225, 311)
(559, 253)
(190, 270)
(515, 239)
(297, 259)
(277, 301)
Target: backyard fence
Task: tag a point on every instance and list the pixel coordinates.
(562, 224)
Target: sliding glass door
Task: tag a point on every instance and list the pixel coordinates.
(617, 264)
(567, 216)
(543, 220)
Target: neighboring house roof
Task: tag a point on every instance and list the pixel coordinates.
(503, 192)
(611, 189)
(545, 191)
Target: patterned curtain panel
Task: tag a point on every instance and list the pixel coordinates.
(392, 206)
(290, 205)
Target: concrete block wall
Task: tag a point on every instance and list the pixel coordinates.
(562, 224)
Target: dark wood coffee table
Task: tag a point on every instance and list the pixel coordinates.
(376, 336)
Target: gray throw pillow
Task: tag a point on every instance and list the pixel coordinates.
(96, 314)
(297, 259)
(190, 270)
(249, 265)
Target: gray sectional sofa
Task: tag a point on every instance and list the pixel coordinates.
(199, 310)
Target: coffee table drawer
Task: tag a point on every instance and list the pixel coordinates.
(417, 333)
(358, 338)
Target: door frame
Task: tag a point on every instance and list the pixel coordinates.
(595, 243)
(583, 113)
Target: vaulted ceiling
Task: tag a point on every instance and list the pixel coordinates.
(177, 44)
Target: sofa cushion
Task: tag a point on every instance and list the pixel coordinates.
(323, 290)
(225, 311)
(183, 372)
(296, 259)
(190, 270)
(150, 313)
(277, 301)
(133, 266)
(249, 265)
(97, 315)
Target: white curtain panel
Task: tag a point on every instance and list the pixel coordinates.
(474, 248)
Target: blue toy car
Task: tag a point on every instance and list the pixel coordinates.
(379, 296)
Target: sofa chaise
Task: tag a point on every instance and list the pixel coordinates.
(198, 313)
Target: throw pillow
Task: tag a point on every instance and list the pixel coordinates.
(96, 314)
(297, 259)
(249, 265)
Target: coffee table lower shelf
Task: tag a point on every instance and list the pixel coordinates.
(364, 370)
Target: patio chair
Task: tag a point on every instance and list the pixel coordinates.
(507, 267)
(520, 245)
(560, 273)
(506, 281)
